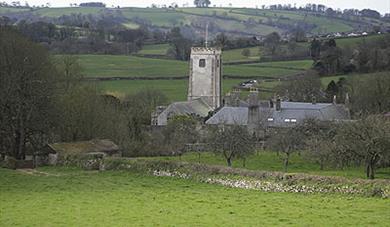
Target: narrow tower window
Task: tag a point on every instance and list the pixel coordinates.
(202, 63)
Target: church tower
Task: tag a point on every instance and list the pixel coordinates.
(205, 75)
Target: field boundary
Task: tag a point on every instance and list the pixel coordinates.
(256, 180)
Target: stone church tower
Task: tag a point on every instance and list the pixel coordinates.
(205, 76)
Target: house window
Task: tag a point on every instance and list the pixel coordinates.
(202, 63)
(270, 119)
(294, 120)
(286, 120)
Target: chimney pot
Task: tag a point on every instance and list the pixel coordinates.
(278, 105)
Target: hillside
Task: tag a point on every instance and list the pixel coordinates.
(232, 21)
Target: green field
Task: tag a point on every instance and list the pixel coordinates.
(4, 10)
(132, 66)
(270, 161)
(298, 64)
(236, 55)
(156, 49)
(70, 197)
(230, 20)
(175, 90)
(57, 12)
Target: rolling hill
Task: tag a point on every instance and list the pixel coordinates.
(233, 21)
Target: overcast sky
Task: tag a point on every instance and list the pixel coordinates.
(382, 6)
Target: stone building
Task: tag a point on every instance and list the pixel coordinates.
(277, 113)
(204, 87)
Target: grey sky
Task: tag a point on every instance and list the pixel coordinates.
(382, 6)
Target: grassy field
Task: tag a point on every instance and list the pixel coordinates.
(270, 161)
(236, 55)
(299, 64)
(175, 90)
(70, 197)
(156, 49)
(132, 66)
(57, 12)
(4, 10)
(223, 18)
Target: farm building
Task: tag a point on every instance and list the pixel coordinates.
(60, 151)
(277, 114)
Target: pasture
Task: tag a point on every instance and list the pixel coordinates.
(175, 90)
(71, 197)
(155, 49)
(133, 66)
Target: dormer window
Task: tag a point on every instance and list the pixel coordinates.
(294, 120)
(270, 119)
(202, 63)
(287, 120)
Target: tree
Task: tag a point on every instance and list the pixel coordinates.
(370, 94)
(368, 140)
(202, 3)
(231, 141)
(272, 42)
(318, 140)
(303, 89)
(315, 49)
(27, 88)
(222, 41)
(180, 46)
(179, 132)
(286, 141)
(246, 52)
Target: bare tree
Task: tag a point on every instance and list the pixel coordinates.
(368, 140)
(231, 141)
(286, 141)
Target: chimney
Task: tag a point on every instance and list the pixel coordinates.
(235, 97)
(347, 99)
(334, 99)
(253, 110)
(313, 100)
(278, 106)
(271, 103)
(254, 97)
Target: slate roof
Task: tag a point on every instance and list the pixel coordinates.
(230, 116)
(295, 112)
(197, 107)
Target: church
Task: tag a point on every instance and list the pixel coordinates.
(205, 101)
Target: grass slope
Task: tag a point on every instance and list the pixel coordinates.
(270, 161)
(75, 198)
(57, 12)
(156, 49)
(132, 66)
(224, 18)
(4, 10)
(175, 90)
